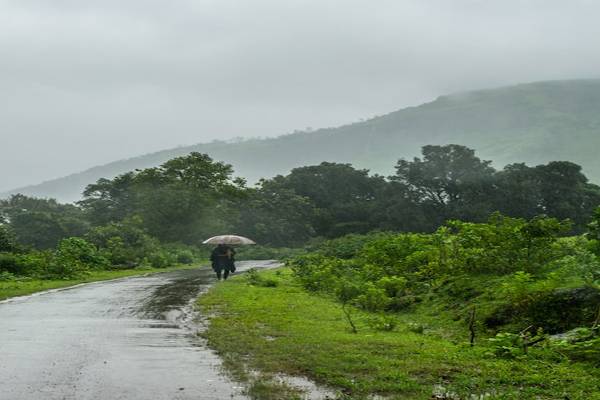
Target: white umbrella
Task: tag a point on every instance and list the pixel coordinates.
(229, 239)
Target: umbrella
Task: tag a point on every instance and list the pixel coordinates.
(228, 239)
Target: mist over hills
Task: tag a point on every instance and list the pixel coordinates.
(533, 123)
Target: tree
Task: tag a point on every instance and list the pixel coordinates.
(344, 197)
(448, 182)
(42, 223)
(518, 191)
(183, 200)
(109, 200)
(276, 216)
(566, 193)
(7, 238)
(558, 189)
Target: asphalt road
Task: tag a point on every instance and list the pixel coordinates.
(125, 339)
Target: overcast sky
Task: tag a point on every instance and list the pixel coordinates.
(85, 82)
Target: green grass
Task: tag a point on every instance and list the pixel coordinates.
(284, 329)
(24, 287)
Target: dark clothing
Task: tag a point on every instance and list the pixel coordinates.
(223, 260)
(225, 274)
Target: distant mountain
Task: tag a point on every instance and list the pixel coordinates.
(533, 123)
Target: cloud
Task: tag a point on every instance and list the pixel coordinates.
(89, 82)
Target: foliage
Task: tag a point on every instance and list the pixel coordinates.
(342, 196)
(449, 182)
(184, 199)
(41, 223)
(519, 272)
(7, 239)
(267, 329)
(185, 257)
(276, 216)
(581, 344)
(31, 264)
(124, 243)
(10, 263)
(160, 259)
(75, 257)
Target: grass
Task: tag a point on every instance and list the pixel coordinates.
(24, 287)
(283, 329)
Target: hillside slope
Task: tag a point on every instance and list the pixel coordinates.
(535, 123)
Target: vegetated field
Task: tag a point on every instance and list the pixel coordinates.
(279, 327)
(508, 309)
(25, 286)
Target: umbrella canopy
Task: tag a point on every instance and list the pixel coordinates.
(228, 239)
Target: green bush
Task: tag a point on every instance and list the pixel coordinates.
(74, 258)
(124, 244)
(32, 264)
(11, 263)
(159, 259)
(185, 257)
(581, 344)
(372, 298)
(516, 272)
(7, 276)
(382, 322)
(7, 239)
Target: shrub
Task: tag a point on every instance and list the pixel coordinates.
(415, 327)
(517, 272)
(372, 298)
(382, 323)
(185, 257)
(159, 259)
(581, 344)
(73, 258)
(348, 246)
(7, 239)
(124, 244)
(7, 276)
(10, 263)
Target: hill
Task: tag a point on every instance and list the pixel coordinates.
(533, 123)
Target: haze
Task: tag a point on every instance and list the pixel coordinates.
(84, 83)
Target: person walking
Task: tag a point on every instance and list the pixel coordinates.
(223, 261)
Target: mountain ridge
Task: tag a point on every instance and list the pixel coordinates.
(529, 122)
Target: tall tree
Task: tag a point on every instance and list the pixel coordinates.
(184, 199)
(448, 182)
(276, 216)
(343, 196)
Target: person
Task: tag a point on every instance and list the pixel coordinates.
(223, 260)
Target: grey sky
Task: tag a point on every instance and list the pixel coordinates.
(87, 82)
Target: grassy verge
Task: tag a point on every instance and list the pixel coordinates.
(24, 287)
(279, 328)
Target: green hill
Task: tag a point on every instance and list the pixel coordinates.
(534, 123)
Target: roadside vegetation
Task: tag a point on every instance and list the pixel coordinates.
(104, 252)
(506, 309)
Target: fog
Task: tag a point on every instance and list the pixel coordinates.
(88, 82)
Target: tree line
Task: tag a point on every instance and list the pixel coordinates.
(192, 197)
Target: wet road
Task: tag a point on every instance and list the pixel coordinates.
(127, 339)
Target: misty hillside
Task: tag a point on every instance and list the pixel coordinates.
(535, 123)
